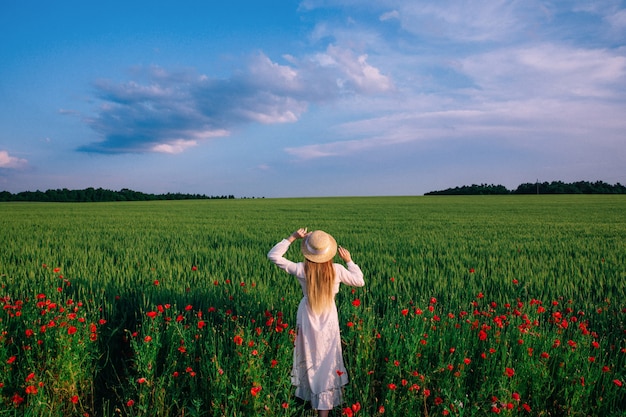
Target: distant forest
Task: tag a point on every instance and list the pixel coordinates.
(554, 187)
(102, 195)
(99, 195)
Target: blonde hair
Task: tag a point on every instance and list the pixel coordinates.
(320, 281)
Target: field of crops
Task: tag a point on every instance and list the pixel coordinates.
(473, 306)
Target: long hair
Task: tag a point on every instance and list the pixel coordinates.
(320, 280)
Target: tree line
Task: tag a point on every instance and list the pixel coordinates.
(554, 187)
(99, 195)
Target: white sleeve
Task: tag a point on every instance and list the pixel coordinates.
(275, 255)
(352, 275)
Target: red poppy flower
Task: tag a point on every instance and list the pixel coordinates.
(255, 390)
(509, 372)
(356, 302)
(238, 340)
(617, 382)
(71, 330)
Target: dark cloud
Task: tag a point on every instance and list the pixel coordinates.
(162, 111)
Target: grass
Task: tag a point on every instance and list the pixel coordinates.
(472, 306)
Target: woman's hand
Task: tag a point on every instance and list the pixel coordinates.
(344, 254)
(298, 234)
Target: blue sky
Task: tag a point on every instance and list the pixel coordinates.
(310, 98)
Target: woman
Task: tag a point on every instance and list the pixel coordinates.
(318, 370)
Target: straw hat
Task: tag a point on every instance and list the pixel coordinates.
(319, 247)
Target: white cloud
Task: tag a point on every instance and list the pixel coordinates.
(355, 71)
(393, 14)
(272, 74)
(11, 162)
(174, 147)
(548, 70)
(468, 20)
(617, 21)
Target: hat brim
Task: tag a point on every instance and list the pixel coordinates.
(319, 258)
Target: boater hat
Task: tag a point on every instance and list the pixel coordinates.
(319, 247)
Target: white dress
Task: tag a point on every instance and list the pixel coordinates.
(318, 371)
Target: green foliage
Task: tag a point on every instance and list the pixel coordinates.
(579, 187)
(474, 189)
(554, 187)
(472, 306)
(98, 195)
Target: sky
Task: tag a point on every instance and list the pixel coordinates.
(286, 98)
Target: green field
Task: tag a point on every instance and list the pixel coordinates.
(473, 306)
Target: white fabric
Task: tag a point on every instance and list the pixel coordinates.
(318, 370)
